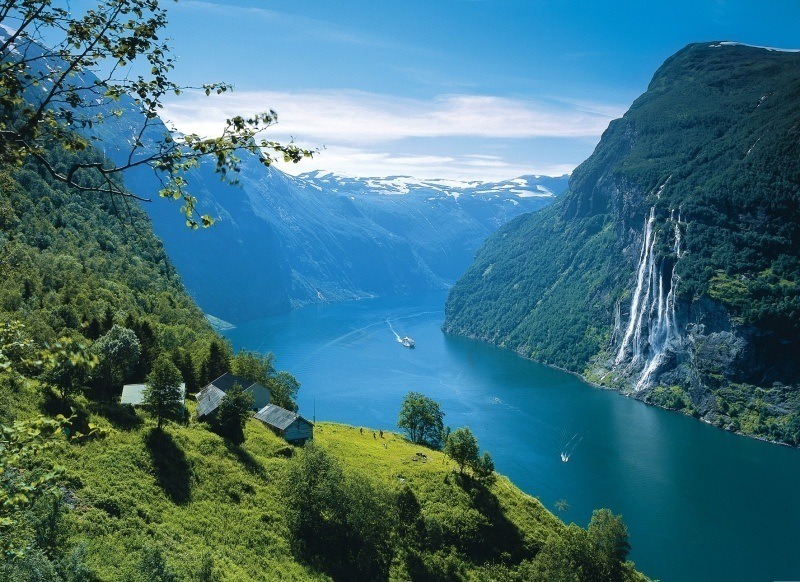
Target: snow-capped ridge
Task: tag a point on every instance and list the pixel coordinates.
(532, 186)
(767, 48)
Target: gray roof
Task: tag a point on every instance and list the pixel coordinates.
(208, 400)
(278, 417)
(227, 381)
(134, 393)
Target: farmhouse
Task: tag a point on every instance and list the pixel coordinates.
(209, 397)
(287, 424)
(208, 400)
(133, 394)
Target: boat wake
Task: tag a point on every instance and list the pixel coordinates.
(568, 449)
(406, 341)
(397, 335)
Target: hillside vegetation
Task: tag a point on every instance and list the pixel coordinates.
(711, 151)
(205, 505)
(122, 500)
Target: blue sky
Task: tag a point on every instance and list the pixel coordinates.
(466, 89)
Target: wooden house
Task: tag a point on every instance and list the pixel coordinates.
(208, 400)
(133, 394)
(210, 395)
(287, 424)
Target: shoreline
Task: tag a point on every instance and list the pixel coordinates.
(595, 385)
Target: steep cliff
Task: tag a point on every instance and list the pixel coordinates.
(669, 269)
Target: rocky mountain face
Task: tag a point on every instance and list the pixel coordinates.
(281, 242)
(669, 269)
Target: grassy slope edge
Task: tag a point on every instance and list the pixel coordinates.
(187, 491)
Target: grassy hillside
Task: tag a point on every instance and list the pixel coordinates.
(207, 503)
(121, 500)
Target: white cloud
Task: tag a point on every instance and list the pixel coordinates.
(371, 134)
(355, 117)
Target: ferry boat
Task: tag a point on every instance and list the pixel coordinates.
(408, 342)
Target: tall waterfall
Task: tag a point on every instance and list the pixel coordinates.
(645, 260)
(652, 323)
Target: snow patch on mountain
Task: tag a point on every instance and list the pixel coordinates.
(767, 48)
(432, 190)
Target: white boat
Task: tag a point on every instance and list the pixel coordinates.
(408, 342)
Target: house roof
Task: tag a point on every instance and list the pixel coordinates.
(228, 380)
(208, 400)
(278, 417)
(134, 393)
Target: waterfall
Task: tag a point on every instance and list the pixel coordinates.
(617, 323)
(652, 325)
(677, 246)
(644, 255)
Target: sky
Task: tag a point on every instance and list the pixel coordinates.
(457, 89)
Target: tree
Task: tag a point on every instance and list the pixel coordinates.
(567, 557)
(253, 366)
(283, 388)
(117, 352)
(259, 368)
(462, 447)
(70, 369)
(48, 95)
(609, 534)
(163, 394)
(217, 362)
(148, 344)
(22, 482)
(423, 420)
(233, 412)
(18, 352)
(183, 361)
(341, 526)
(483, 467)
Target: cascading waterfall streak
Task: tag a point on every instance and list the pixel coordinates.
(643, 256)
(652, 325)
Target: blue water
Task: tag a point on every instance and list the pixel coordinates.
(700, 503)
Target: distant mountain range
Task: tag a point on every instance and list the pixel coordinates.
(543, 187)
(670, 268)
(282, 242)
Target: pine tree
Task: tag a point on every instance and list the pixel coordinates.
(164, 395)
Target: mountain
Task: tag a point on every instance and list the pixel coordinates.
(669, 269)
(282, 242)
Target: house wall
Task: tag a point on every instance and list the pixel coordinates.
(299, 430)
(260, 397)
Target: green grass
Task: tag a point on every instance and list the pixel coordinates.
(191, 492)
(194, 495)
(433, 480)
(187, 491)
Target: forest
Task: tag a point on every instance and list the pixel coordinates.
(710, 150)
(91, 489)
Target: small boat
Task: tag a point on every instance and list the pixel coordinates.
(408, 342)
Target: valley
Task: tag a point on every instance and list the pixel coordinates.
(653, 467)
(476, 306)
